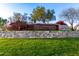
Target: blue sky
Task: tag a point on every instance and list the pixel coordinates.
(7, 9)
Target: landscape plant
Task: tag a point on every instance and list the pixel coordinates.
(41, 14)
(71, 15)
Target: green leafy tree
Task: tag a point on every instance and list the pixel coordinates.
(50, 15)
(33, 18)
(41, 14)
(2, 22)
(38, 14)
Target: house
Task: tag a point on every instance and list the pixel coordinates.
(62, 25)
(35, 26)
(42, 27)
(27, 26)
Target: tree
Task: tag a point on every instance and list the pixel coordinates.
(38, 14)
(41, 14)
(70, 15)
(2, 22)
(50, 14)
(17, 22)
(18, 17)
(24, 17)
(33, 18)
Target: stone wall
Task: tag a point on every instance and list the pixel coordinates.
(38, 34)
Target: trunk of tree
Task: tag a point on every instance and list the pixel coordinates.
(34, 21)
(43, 21)
(72, 28)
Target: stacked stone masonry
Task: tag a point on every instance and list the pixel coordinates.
(38, 34)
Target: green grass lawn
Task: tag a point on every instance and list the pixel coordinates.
(39, 47)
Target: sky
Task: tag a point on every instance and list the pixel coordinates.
(7, 9)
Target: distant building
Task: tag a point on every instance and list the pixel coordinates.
(42, 27)
(62, 25)
(28, 26)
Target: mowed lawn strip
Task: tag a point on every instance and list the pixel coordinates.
(39, 46)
